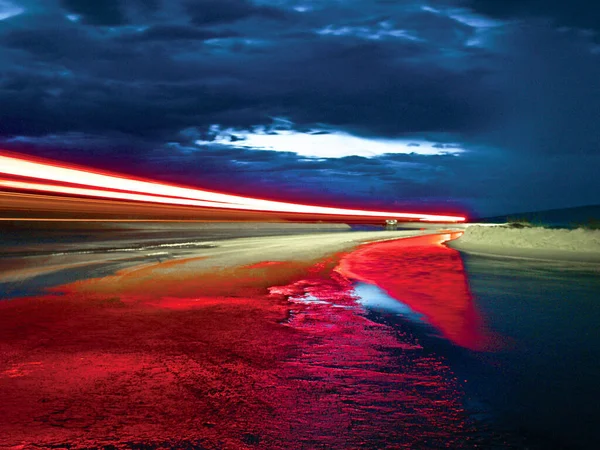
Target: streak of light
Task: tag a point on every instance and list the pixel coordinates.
(34, 219)
(111, 194)
(54, 172)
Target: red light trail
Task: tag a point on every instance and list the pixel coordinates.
(112, 186)
(109, 194)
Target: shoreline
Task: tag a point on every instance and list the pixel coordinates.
(527, 254)
(46, 271)
(533, 244)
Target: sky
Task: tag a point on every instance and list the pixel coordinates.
(477, 106)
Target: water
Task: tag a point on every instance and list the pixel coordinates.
(547, 374)
(538, 384)
(514, 343)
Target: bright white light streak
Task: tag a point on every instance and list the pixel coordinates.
(51, 172)
(111, 194)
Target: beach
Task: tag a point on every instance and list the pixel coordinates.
(64, 251)
(306, 339)
(536, 243)
(218, 349)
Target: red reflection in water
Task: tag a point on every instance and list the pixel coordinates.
(428, 277)
(175, 355)
(374, 386)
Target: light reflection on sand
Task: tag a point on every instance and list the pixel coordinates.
(177, 354)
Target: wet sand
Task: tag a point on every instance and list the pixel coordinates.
(38, 254)
(255, 343)
(207, 352)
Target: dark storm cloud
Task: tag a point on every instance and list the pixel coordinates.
(372, 86)
(573, 13)
(108, 12)
(133, 84)
(103, 12)
(368, 86)
(553, 82)
(62, 46)
(177, 33)
(210, 12)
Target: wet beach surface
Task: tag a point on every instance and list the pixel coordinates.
(20, 238)
(35, 255)
(398, 344)
(544, 381)
(536, 383)
(183, 354)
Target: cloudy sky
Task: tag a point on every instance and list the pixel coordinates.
(478, 106)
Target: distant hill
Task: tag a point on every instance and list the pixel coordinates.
(566, 217)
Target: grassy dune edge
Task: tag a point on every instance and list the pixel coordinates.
(535, 243)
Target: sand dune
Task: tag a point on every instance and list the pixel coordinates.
(535, 243)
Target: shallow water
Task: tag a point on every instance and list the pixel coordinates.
(538, 385)
(544, 381)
